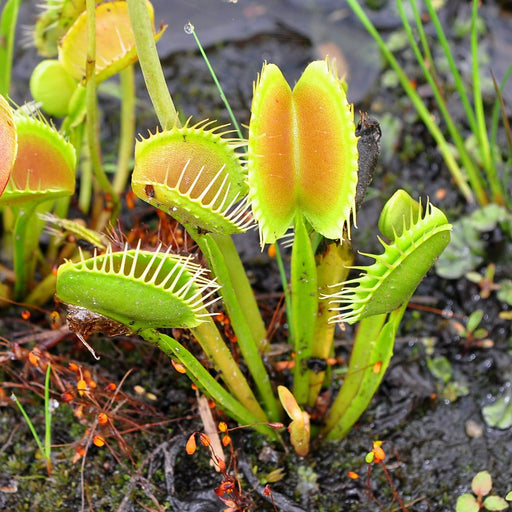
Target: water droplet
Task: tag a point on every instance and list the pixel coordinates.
(188, 28)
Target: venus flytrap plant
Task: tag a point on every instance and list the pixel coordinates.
(196, 176)
(309, 132)
(299, 172)
(42, 172)
(377, 299)
(302, 161)
(98, 43)
(217, 245)
(417, 238)
(233, 273)
(114, 40)
(174, 289)
(42, 177)
(53, 23)
(150, 278)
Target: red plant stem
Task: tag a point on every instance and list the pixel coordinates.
(393, 488)
(370, 492)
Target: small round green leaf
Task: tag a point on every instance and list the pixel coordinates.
(495, 503)
(52, 86)
(482, 483)
(499, 413)
(467, 503)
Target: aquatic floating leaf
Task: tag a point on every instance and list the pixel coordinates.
(302, 152)
(391, 280)
(194, 174)
(467, 248)
(140, 289)
(115, 43)
(499, 413)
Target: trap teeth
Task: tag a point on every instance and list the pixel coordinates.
(195, 174)
(138, 289)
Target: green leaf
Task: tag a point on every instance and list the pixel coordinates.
(505, 291)
(194, 174)
(464, 252)
(370, 358)
(467, 503)
(392, 279)
(398, 214)
(440, 368)
(474, 319)
(7, 35)
(115, 44)
(45, 164)
(302, 152)
(486, 218)
(499, 414)
(303, 283)
(482, 483)
(53, 23)
(139, 289)
(495, 503)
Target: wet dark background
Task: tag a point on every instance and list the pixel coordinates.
(433, 453)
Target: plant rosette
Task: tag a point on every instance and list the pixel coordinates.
(481, 487)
